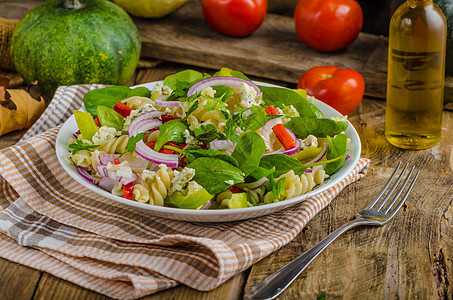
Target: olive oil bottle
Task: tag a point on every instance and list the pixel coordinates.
(416, 73)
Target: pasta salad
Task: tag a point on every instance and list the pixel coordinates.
(197, 141)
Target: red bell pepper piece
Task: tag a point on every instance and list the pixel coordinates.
(280, 131)
(129, 191)
(122, 109)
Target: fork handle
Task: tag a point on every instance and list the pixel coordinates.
(277, 282)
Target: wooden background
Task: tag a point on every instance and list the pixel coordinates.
(410, 258)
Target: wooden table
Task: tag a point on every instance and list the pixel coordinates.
(409, 258)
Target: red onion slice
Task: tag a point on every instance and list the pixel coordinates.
(297, 142)
(233, 82)
(105, 158)
(136, 123)
(139, 125)
(267, 130)
(160, 101)
(107, 184)
(87, 176)
(103, 171)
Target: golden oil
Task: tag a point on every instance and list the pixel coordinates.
(416, 73)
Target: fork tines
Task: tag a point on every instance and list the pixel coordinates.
(391, 192)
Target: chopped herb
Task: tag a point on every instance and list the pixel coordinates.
(80, 145)
(132, 143)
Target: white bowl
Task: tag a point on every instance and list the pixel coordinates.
(219, 215)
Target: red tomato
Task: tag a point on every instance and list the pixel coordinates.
(328, 25)
(234, 17)
(340, 88)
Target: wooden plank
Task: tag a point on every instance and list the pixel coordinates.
(273, 51)
(409, 258)
(17, 282)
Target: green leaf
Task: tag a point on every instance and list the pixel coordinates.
(337, 149)
(222, 91)
(303, 127)
(195, 200)
(187, 76)
(278, 188)
(282, 163)
(140, 91)
(171, 131)
(257, 118)
(132, 143)
(290, 97)
(107, 96)
(214, 174)
(248, 151)
(80, 145)
(191, 155)
(206, 133)
(110, 118)
(86, 124)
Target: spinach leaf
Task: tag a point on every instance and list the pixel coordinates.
(282, 163)
(214, 174)
(257, 118)
(290, 97)
(193, 201)
(206, 133)
(248, 151)
(259, 173)
(303, 127)
(171, 131)
(107, 96)
(222, 91)
(337, 149)
(191, 155)
(110, 118)
(187, 76)
(140, 91)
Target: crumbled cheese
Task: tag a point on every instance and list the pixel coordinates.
(339, 119)
(248, 96)
(181, 178)
(310, 141)
(290, 111)
(208, 91)
(193, 187)
(229, 182)
(148, 175)
(189, 138)
(104, 134)
(161, 89)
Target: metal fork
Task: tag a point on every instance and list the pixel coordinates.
(276, 283)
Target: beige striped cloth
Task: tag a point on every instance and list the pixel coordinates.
(51, 223)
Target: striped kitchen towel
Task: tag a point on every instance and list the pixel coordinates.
(51, 223)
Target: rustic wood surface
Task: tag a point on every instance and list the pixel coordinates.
(410, 258)
(273, 51)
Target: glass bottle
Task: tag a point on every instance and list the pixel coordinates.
(416, 73)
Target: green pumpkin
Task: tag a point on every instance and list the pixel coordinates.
(69, 42)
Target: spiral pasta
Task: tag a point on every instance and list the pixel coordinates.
(158, 183)
(137, 101)
(298, 185)
(114, 145)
